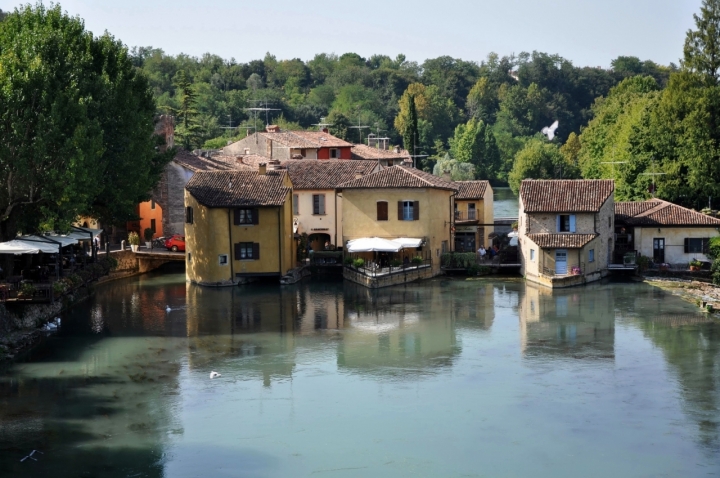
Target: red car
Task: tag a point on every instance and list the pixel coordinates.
(175, 243)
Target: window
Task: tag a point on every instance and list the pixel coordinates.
(609, 221)
(223, 259)
(152, 226)
(408, 210)
(566, 223)
(296, 206)
(303, 152)
(334, 153)
(189, 215)
(247, 251)
(591, 255)
(152, 204)
(319, 204)
(382, 211)
(246, 216)
(471, 212)
(696, 245)
(189, 257)
(444, 247)
(532, 255)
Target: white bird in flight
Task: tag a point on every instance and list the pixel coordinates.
(549, 131)
(214, 374)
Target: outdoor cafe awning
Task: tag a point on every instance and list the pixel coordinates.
(83, 233)
(49, 238)
(373, 244)
(408, 242)
(19, 246)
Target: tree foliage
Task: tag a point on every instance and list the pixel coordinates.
(76, 124)
(540, 160)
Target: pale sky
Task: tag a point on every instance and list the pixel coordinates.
(587, 32)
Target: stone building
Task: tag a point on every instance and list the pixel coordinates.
(566, 230)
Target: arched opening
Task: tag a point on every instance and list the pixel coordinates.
(318, 241)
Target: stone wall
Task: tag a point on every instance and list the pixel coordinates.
(409, 275)
(127, 261)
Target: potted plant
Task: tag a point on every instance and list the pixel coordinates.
(27, 290)
(575, 270)
(148, 233)
(417, 260)
(695, 265)
(134, 241)
(359, 262)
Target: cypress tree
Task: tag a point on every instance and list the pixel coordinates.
(702, 46)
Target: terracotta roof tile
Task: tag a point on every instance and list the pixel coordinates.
(306, 139)
(362, 151)
(399, 177)
(213, 163)
(561, 241)
(472, 189)
(238, 188)
(565, 195)
(325, 174)
(657, 212)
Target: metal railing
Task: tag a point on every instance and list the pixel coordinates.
(372, 269)
(572, 270)
(469, 215)
(326, 258)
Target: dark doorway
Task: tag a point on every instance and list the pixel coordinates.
(659, 250)
(465, 242)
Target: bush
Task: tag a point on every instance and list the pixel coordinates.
(714, 248)
(110, 262)
(458, 260)
(134, 239)
(358, 263)
(716, 271)
(75, 280)
(348, 261)
(84, 275)
(695, 263)
(148, 233)
(473, 270)
(417, 260)
(483, 270)
(60, 287)
(395, 263)
(98, 270)
(27, 289)
(643, 262)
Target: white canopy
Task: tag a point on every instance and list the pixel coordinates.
(84, 233)
(19, 246)
(408, 242)
(63, 240)
(373, 244)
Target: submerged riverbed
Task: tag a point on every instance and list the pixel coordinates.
(441, 378)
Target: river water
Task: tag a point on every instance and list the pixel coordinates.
(441, 378)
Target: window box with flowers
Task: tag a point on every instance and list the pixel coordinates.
(575, 270)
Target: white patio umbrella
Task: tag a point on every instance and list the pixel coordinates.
(408, 242)
(372, 244)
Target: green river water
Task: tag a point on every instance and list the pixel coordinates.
(442, 378)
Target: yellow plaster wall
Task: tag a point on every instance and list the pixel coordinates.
(360, 217)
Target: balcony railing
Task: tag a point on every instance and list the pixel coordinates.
(372, 269)
(572, 270)
(469, 215)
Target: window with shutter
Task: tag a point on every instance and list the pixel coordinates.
(408, 208)
(319, 204)
(296, 207)
(416, 211)
(189, 215)
(565, 223)
(400, 210)
(256, 251)
(382, 211)
(245, 251)
(695, 245)
(245, 217)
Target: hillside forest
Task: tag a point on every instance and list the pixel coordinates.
(651, 127)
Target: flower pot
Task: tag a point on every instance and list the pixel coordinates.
(134, 247)
(694, 268)
(148, 244)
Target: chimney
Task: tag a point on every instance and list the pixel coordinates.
(396, 150)
(272, 128)
(247, 151)
(274, 164)
(446, 175)
(358, 173)
(262, 169)
(326, 131)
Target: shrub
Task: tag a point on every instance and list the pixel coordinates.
(714, 248)
(75, 280)
(643, 262)
(473, 270)
(134, 239)
(98, 270)
(111, 263)
(483, 270)
(458, 260)
(60, 287)
(348, 261)
(84, 275)
(395, 263)
(359, 263)
(417, 260)
(148, 233)
(27, 289)
(716, 271)
(695, 263)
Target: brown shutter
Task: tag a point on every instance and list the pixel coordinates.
(256, 251)
(382, 211)
(416, 210)
(256, 216)
(400, 216)
(236, 216)
(237, 251)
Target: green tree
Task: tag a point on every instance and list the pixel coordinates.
(188, 130)
(410, 132)
(340, 125)
(702, 46)
(540, 160)
(458, 170)
(77, 123)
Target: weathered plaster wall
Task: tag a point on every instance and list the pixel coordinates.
(674, 242)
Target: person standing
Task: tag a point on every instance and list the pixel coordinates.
(481, 253)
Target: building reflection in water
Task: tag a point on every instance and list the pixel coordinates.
(567, 323)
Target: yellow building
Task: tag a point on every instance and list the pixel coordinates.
(400, 202)
(474, 215)
(238, 226)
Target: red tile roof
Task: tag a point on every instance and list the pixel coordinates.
(306, 139)
(363, 151)
(656, 212)
(325, 174)
(238, 188)
(399, 177)
(561, 241)
(198, 163)
(472, 189)
(565, 195)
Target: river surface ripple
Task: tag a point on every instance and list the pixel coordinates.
(442, 378)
